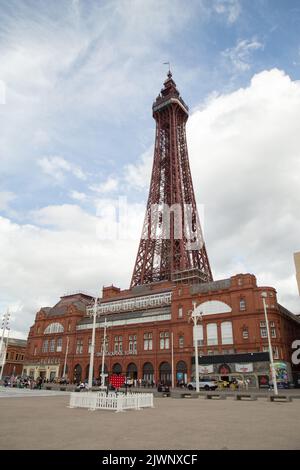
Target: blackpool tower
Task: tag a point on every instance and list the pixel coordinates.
(172, 243)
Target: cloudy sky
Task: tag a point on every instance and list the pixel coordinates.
(77, 82)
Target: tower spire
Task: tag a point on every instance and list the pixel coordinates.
(171, 238)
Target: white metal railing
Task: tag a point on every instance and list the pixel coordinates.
(111, 401)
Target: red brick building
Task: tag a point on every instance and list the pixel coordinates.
(145, 320)
(150, 335)
(15, 355)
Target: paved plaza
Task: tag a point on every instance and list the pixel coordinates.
(42, 420)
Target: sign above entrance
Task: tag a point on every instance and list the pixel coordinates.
(206, 369)
(118, 353)
(244, 367)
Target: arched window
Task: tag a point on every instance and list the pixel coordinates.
(212, 334)
(54, 328)
(226, 332)
(117, 368)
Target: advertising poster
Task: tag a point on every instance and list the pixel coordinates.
(244, 367)
(281, 372)
(263, 381)
(206, 369)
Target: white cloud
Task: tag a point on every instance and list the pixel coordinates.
(239, 56)
(56, 167)
(230, 8)
(60, 71)
(138, 176)
(245, 159)
(108, 186)
(5, 198)
(63, 254)
(78, 196)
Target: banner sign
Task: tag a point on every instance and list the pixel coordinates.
(118, 353)
(244, 367)
(206, 369)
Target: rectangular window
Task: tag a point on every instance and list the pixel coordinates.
(148, 341)
(45, 346)
(181, 341)
(164, 340)
(35, 351)
(242, 304)
(245, 333)
(90, 346)
(275, 352)
(79, 346)
(132, 343)
(226, 332)
(180, 312)
(198, 334)
(212, 334)
(52, 345)
(263, 332)
(273, 332)
(59, 345)
(118, 347)
(262, 324)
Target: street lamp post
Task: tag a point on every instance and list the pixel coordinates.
(273, 372)
(3, 350)
(103, 355)
(66, 355)
(5, 321)
(195, 316)
(172, 359)
(91, 368)
(4, 354)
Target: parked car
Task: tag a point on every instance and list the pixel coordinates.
(163, 388)
(203, 385)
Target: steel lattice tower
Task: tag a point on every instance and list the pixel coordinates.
(169, 244)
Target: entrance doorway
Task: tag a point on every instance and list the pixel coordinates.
(165, 373)
(131, 371)
(52, 375)
(148, 373)
(77, 373)
(181, 373)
